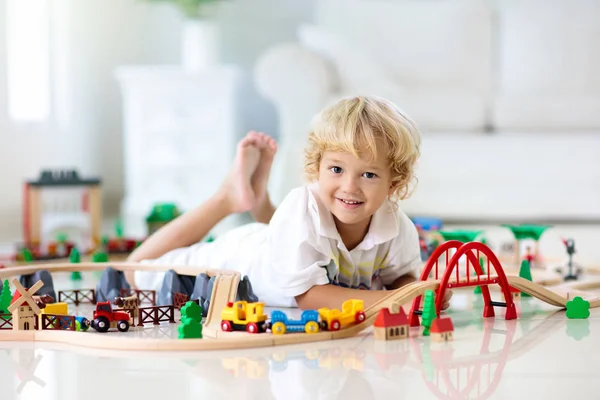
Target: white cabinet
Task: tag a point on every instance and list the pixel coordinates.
(180, 132)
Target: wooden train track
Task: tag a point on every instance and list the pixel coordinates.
(224, 290)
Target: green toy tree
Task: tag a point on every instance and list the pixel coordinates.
(119, 229)
(27, 256)
(101, 255)
(578, 308)
(525, 273)
(191, 321)
(429, 313)
(5, 298)
(75, 258)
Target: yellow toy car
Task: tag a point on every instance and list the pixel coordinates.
(334, 319)
(244, 316)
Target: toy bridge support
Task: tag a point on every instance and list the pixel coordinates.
(444, 249)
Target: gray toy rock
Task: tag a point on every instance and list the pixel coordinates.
(110, 285)
(202, 291)
(42, 275)
(172, 283)
(245, 291)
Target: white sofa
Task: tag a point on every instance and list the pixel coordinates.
(507, 95)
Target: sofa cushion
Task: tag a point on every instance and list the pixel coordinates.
(549, 61)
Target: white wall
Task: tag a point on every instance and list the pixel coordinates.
(101, 35)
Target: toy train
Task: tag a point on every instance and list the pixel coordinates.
(250, 317)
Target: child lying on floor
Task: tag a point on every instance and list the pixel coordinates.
(342, 236)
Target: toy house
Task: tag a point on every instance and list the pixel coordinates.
(61, 199)
(391, 326)
(442, 329)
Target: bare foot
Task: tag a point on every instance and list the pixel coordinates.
(260, 178)
(237, 189)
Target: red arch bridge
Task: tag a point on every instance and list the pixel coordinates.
(451, 277)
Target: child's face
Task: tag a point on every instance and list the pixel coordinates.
(353, 188)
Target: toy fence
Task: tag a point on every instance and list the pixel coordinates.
(148, 296)
(77, 296)
(156, 315)
(6, 321)
(58, 322)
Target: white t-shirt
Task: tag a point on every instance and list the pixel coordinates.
(300, 248)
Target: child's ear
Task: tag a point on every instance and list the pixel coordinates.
(392, 188)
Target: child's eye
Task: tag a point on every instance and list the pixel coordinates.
(369, 175)
(336, 170)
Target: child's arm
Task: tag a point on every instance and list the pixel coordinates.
(184, 231)
(332, 296)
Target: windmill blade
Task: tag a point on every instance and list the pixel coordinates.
(36, 286)
(18, 286)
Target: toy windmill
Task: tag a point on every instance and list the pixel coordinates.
(24, 308)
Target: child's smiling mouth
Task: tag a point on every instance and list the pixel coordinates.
(351, 204)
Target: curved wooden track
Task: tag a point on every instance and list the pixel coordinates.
(547, 295)
(224, 290)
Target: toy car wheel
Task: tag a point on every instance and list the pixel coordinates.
(360, 316)
(278, 328)
(101, 324)
(252, 328)
(84, 324)
(123, 326)
(311, 327)
(335, 325)
(226, 326)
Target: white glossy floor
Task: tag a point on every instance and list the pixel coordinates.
(541, 355)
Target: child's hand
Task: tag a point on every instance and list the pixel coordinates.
(447, 297)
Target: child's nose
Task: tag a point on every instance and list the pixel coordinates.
(350, 184)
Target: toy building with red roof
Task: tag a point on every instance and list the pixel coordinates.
(391, 326)
(441, 329)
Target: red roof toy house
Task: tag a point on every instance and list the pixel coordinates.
(441, 329)
(391, 326)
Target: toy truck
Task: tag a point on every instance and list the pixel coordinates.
(308, 322)
(334, 319)
(105, 318)
(244, 316)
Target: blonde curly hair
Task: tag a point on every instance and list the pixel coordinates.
(366, 126)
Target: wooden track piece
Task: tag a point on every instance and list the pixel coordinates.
(224, 291)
